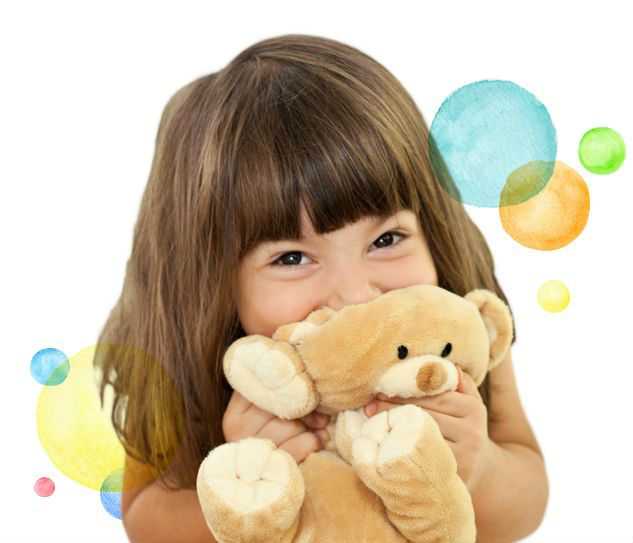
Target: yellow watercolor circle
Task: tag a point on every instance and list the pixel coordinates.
(553, 296)
(75, 432)
(552, 218)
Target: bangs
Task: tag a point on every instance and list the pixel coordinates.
(305, 146)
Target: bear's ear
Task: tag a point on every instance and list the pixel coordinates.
(498, 320)
(295, 332)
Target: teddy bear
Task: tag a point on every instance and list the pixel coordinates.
(387, 478)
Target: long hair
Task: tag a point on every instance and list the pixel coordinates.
(291, 119)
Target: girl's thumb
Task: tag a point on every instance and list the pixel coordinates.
(371, 408)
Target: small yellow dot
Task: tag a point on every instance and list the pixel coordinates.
(553, 296)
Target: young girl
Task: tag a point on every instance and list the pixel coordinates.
(297, 176)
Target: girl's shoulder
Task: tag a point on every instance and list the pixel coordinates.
(136, 476)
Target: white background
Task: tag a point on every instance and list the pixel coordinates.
(83, 87)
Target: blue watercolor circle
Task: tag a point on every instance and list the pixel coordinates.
(487, 133)
(49, 366)
(110, 492)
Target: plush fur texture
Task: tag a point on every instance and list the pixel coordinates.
(387, 478)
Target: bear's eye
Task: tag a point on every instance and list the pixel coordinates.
(402, 352)
(447, 350)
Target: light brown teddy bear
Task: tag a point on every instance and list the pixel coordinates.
(387, 478)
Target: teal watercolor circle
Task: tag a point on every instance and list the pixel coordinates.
(488, 133)
(601, 150)
(49, 366)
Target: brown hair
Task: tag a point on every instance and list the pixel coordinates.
(291, 119)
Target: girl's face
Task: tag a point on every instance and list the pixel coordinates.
(284, 281)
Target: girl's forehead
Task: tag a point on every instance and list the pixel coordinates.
(404, 217)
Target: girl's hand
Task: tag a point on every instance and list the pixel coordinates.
(244, 419)
(463, 420)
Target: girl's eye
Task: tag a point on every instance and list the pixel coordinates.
(296, 260)
(389, 235)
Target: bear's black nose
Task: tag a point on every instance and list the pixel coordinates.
(402, 352)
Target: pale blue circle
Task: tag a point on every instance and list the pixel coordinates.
(49, 366)
(485, 131)
(111, 502)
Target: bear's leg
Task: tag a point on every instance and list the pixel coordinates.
(402, 456)
(250, 491)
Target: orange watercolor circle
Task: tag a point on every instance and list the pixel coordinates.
(553, 217)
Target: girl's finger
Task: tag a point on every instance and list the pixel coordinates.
(236, 429)
(454, 447)
(238, 421)
(315, 420)
(238, 403)
(254, 419)
(323, 435)
(280, 431)
(452, 403)
(468, 386)
(301, 446)
(451, 427)
(460, 381)
(377, 406)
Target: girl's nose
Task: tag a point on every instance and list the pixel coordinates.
(351, 291)
(350, 300)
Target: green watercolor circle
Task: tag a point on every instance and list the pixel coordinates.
(601, 150)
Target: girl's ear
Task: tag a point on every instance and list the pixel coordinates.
(295, 332)
(498, 320)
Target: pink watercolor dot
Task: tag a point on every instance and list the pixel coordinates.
(44, 487)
